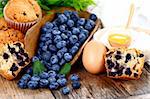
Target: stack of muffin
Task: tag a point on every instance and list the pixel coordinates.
(19, 16)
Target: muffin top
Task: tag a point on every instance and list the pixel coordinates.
(9, 35)
(23, 10)
(3, 24)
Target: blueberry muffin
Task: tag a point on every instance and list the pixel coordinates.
(22, 10)
(22, 14)
(10, 35)
(124, 63)
(13, 58)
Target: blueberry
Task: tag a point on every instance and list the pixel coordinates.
(42, 38)
(62, 18)
(54, 59)
(46, 56)
(75, 31)
(82, 37)
(62, 81)
(141, 55)
(43, 30)
(128, 72)
(128, 57)
(22, 84)
(64, 49)
(110, 64)
(56, 32)
(26, 77)
(89, 25)
(41, 44)
(62, 28)
(61, 44)
(44, 75)
(43, 83)
(86, 32)
(67, 57)
(62, 62)
(57, 39)
(54, 24)
(44, 48)
(91, 22)
(112, 74)
(35, 78)
(64, 36)
(47, 43)
(32, 84)
(81, 22)
(52, 79)
(73, 50)
(73, 39)
(60, 76)
(76, 84)
(70, 23)
(74, 16)
(53, 86)
(93, 17)
(30, 71)
(65, 90)
(35, 58)
(49, 25)
(48, 66)
(67, 13)
(77, 44)
(55, 28)
(48, 36)
(118, 57)
(74, 77)
(52, 48)
(56, 67)
(69, 33)
(52, 73)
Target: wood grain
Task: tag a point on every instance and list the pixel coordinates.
(93, 87)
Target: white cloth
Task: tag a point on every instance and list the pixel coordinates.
(115, 12)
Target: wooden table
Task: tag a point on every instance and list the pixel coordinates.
(93, 87)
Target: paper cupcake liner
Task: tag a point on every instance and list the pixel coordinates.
(23, 27)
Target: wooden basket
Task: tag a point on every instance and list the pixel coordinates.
(33, 34)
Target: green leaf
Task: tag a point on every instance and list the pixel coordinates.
(65, 69)
(49, 12)
(44, 7)
(1, 15)
(52, 2)
(38, 68)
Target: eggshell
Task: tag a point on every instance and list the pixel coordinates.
(93, 57)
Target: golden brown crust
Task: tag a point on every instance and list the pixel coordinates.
(122, 68)
(11, 35)
(23, 10)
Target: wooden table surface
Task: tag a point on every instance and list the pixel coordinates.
(93, 87)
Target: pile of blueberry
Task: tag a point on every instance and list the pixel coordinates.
(50, 80)
(62, 38)
(59, 42)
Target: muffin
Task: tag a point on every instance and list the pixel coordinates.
(22, 14)
(8, 35)
(124, 63)
(3, 24)
(13, 58)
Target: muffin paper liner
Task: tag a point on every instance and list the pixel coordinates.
(23, 27)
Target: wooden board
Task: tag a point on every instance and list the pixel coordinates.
(93, 87)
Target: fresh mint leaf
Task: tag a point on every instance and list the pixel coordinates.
(38, 68)
(65, 69)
